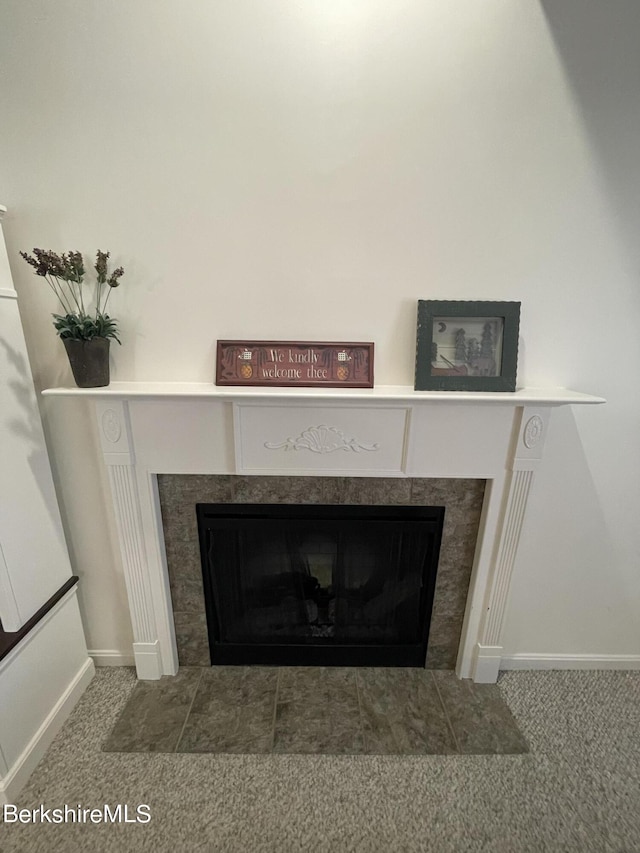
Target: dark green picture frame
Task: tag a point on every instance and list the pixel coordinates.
(486, 365)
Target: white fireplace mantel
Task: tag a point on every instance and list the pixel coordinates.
(151, 428)
(391, 393)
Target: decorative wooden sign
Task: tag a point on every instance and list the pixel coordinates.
(288, 363)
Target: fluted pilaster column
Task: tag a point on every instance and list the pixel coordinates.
(119, 458)
(525, 458)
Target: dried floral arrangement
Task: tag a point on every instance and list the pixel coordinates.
(65, 275)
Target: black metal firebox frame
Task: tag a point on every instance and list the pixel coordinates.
(317, 652)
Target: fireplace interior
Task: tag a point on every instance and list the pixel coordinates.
(319, 585)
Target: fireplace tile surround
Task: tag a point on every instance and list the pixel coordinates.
(179, 494)
(151, 429)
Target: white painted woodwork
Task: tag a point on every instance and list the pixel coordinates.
(446, 441)
(31, 678)
(118, 455)
(174, 391)
(152, 428)
(34, 561)
(207, 432)
(320, 440)
(111, 657)
(122, 479)
(40, 682)
(577, 661)
(42, 678)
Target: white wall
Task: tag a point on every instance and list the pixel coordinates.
(308, 170)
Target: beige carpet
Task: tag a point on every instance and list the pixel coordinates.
(577, 790)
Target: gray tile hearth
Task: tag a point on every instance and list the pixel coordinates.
(482, 723)
(402, 713)
(316, 710)
(155, 714)
(232, 711)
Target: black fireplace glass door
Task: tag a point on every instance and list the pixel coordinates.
(264, 587)
(308, 578)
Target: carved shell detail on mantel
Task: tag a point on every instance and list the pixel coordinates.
(321, 439)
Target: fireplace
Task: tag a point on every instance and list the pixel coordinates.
(319, 585)
(388, 433)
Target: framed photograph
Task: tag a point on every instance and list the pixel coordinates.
(306, 364)
(467, 346)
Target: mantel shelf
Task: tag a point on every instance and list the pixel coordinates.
(380, 394)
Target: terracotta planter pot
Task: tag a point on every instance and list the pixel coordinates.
(89, 361)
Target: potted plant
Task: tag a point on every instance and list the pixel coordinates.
(85, 334)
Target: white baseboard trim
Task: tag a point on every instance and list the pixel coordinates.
(552, 661)
(112, 657)
(24, 766)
